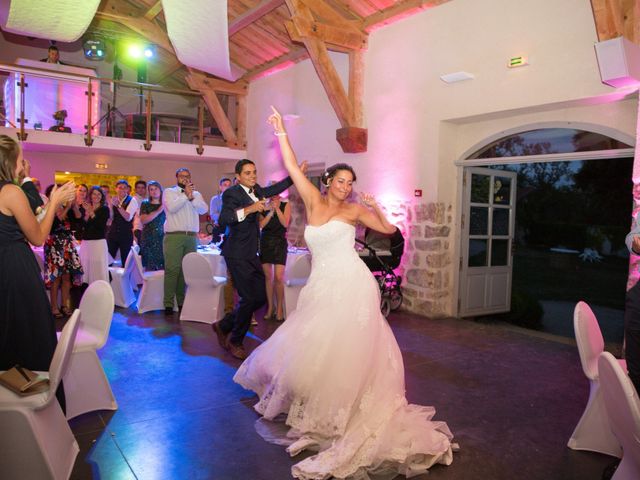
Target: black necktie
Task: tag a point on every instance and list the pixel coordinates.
(250, 191)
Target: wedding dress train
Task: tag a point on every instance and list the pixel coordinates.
(335, 370)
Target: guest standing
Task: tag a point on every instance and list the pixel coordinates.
(123, 208)
(62, 266)
(182, 205)
(78, 210)
(94, 253)
(273, 254)
(140, 195)
(27, 328)
(152, 217)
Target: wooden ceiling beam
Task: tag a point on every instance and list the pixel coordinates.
(400, 10)
(348, 106)
(196, 82)
(253, 14)
(616, 18)
(153, 11)
(202, 81)
(340, 36)
(326, 12)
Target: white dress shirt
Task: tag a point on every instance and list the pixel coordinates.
(240, 212)
(137, 223)
(182, 213)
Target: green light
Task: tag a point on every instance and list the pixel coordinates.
(135, 51)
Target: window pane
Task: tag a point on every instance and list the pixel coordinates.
(501, 190)
(548, 140)
(479, 220)
(477, 253)
(480, 188)
(500, 221)
(499, 252)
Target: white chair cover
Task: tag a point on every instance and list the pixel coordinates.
(296, 274)
(623, 408)
(593, 431)
(86, 386)
(36, 441)
(121, 282)
(94, 256)
(137, 275)
(204, 299)
(151, 295)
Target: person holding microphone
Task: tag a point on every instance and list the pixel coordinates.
(182, 206)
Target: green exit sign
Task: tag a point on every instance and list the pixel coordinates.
(517, 62)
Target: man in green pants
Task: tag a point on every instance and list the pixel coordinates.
(182, 205)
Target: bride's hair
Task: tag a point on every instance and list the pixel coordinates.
(330, 172)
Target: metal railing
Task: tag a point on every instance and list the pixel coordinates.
(34, 96)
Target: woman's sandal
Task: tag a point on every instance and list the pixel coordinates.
(66, 311)
(56, 314)
(269, 318)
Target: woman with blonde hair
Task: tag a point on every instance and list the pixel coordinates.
(27, 329)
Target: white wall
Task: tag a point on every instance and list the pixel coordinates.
(419, 126)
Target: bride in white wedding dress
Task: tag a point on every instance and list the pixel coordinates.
(334, 367)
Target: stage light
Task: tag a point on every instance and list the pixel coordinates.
(94, 49)
(150, 51)
(135, 51)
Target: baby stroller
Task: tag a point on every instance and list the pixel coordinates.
(382, 253)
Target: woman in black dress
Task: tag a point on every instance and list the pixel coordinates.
(273, 254)
(27, 329)
(94, 255)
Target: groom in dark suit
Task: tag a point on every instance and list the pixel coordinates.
(241, 206)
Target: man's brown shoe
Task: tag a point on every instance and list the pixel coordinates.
(237, 351)
(222, 337)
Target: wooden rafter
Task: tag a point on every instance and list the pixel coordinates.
(253, 14)
(315, 36)
(400, 10)
(153, 11)
(615, 18)
(209, 88)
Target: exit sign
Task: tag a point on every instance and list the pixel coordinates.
(517, 62)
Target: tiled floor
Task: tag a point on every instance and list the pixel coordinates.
(511, 399)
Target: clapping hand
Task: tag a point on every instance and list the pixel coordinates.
(636, 244)
(63, 194)
(115, 201)
(367, 199)
(275, 120)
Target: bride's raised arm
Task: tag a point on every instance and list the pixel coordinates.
(309, 193)
(373, 217)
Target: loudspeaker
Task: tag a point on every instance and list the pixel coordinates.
(619, 62)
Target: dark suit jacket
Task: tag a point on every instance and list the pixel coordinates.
(32, 195)
(241, 241)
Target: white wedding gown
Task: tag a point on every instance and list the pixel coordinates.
(335, 369)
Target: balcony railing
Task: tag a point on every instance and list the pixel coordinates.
(70, 99)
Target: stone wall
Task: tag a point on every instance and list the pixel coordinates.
(427, 285)
(426, 263)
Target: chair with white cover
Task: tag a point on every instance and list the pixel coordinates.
(121, 282)
(623, 407)
(151, 295)
(204, 299)
(296, 274)
(86, 386)
(137, 276)
(593, 431)
(36, 441)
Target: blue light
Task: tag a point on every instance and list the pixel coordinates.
(148, 52)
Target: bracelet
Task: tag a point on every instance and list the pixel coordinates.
(280, 134)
